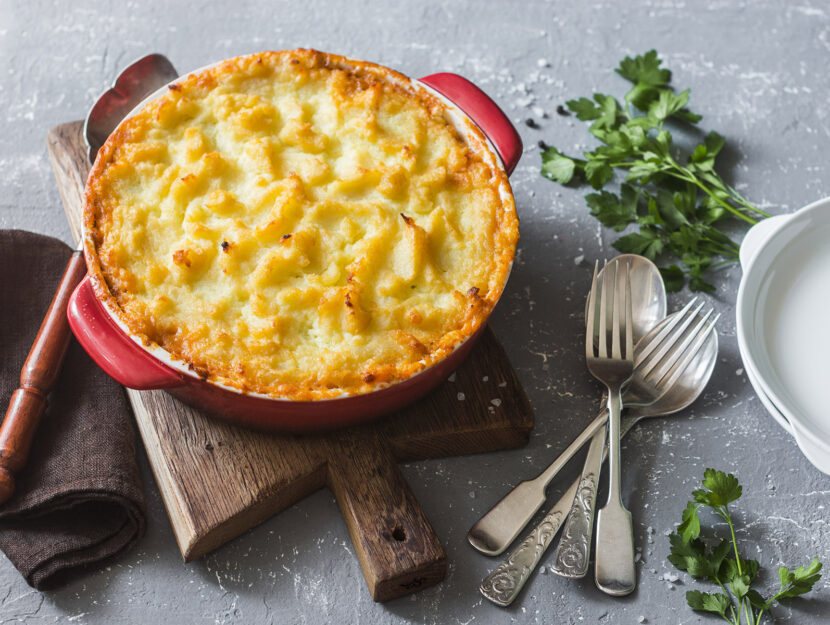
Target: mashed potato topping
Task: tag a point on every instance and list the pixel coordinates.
(299, 224)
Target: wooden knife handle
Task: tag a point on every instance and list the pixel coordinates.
(40, 371)
(395, 544)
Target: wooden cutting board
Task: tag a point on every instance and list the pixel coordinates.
(218, 480)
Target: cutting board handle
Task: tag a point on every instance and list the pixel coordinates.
(395, 544)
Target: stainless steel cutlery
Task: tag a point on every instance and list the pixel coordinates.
(669, 368)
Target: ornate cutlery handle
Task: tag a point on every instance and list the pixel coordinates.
(574, 548)
(500, 526)
(503, 585)
(584, 494)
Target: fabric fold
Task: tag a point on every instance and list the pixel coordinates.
(79, 500)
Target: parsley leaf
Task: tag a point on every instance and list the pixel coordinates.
(729, 570)
(708, 602)
(610, 111)
(800, 581)
(672, 277)
(644, 69)
(755, 599)
(614, 211)
(689, 556)
(740, 586)
(704, 153)
(733, 575)
(557, 167)
(693, 557)
(718, 555)
(679, 199)
(647, 243)
(722, 489)
(598, 173)
(667, 104)
(584, 109)
(689, 529)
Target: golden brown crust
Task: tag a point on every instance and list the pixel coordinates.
(363, 254)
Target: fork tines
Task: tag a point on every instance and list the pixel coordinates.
(614, 289)
(665, 358)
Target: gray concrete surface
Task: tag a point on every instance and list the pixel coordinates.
(758, 72)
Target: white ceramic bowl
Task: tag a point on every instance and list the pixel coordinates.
(783, 323)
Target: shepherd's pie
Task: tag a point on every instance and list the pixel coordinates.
(299, 224)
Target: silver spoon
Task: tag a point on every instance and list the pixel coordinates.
(494, 532)
(136, 82)
(42, 366)
(685, 382)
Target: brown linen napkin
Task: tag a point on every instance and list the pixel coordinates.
(79, 500)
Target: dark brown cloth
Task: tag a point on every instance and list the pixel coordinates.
(79, 500)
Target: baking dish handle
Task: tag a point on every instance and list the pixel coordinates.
(483, 111)
(115, 352)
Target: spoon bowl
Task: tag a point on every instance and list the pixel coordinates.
(648, 293)
(137, 81)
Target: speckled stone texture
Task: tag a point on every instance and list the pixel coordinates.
(758, 74)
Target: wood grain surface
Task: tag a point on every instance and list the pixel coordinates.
(218, 480)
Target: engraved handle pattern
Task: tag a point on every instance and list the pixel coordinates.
(574, 549)
(503, 585)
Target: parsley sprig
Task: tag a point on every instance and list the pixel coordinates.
(678, 200)
(734, 575)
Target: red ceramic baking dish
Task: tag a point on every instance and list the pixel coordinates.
(129, 361)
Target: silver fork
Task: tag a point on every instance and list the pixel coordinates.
(692, 356)
(657, 366)
(612, 365)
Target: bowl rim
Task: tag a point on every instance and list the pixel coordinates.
(771, 408)
(745, 323)
(462, 122)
